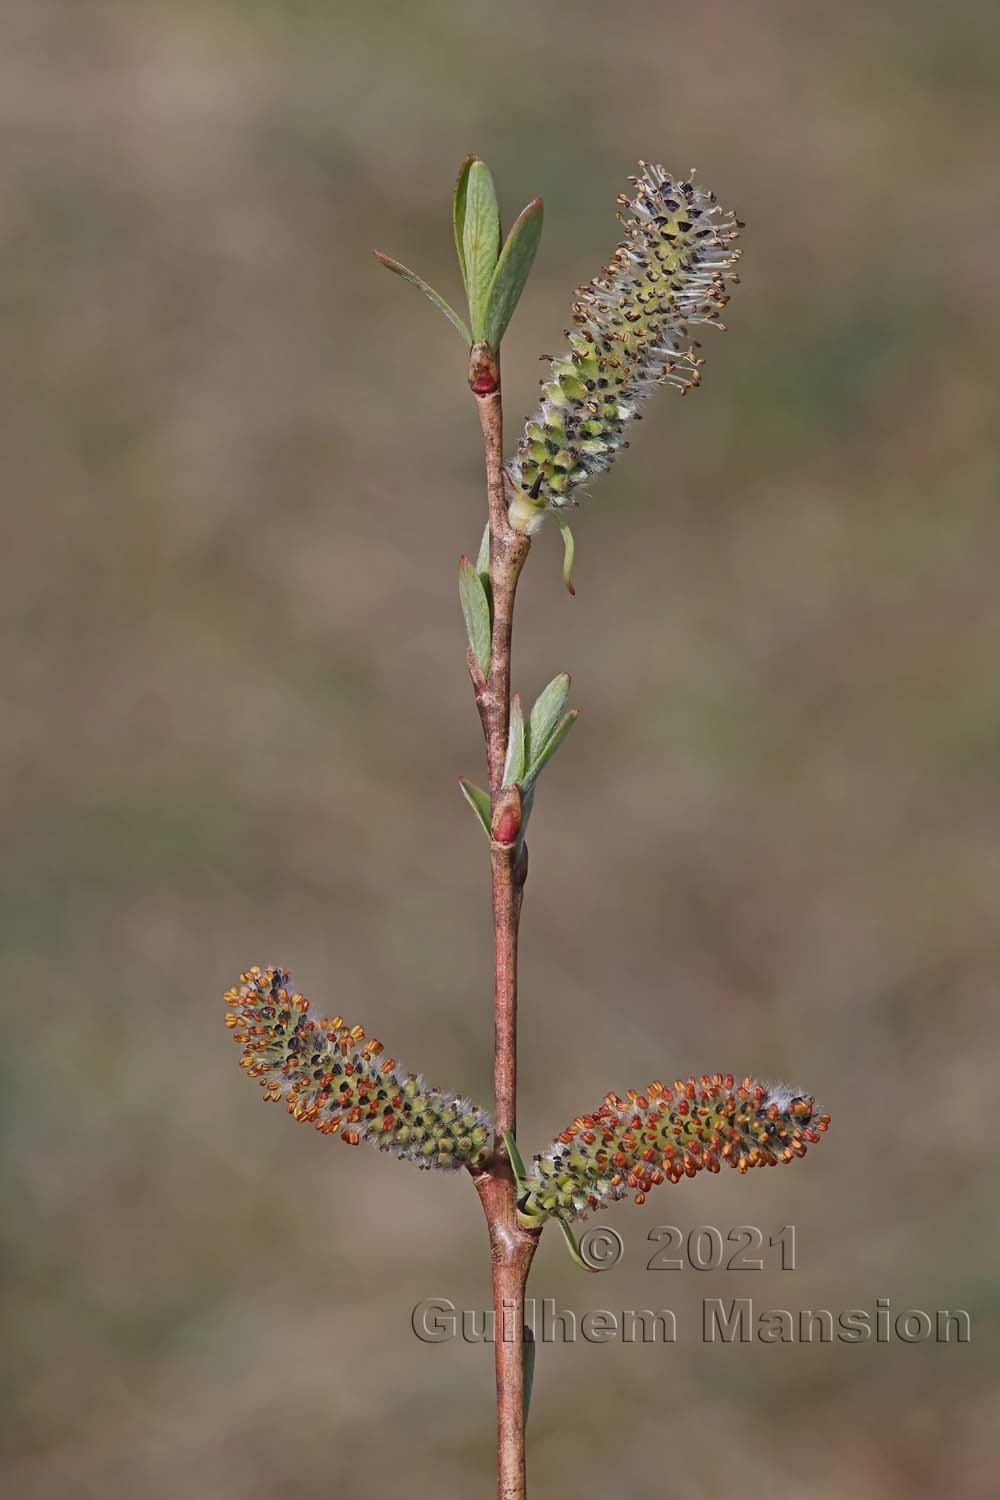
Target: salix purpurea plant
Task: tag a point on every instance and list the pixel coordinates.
(630, 334)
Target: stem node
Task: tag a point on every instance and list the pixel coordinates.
(484, 370)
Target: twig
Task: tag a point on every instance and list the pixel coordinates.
(511, 1246)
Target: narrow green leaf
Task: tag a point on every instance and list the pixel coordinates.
(529, 1220)
(479, 801)
(513, 769)
(573, 1247)
(399, 269)
(514, 1156)
(569, 552)
(483, 560)
(545, 715)
(476, 609)
(483, 567)
(511, 272)
(555, 739)
(458, 208)
(480, 242)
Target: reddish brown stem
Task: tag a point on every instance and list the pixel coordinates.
(511, 1250)
(511, 1246)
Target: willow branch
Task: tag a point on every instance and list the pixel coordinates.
(511, 1246)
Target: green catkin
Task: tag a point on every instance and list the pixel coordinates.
(332, 1077)
(630, 1145)
(671, 270)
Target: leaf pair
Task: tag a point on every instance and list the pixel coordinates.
(531, 745)
(494, 277)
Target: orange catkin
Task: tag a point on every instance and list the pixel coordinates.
(664, 1135)
(330, 1076)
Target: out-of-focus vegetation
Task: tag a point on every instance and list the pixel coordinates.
(240, 463)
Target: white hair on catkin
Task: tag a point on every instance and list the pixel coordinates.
(672, 270)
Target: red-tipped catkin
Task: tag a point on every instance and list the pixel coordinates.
(332, 1077)
(631, 1145)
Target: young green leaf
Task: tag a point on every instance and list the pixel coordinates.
(483, 559)
(545, 715)
(399, 269)
(573, 1247)
(511, 272)
(480, 242)
(479, 801)
(527, 803)
(569, 552)
(458, 208)
(476, 609)
(514, 1156)
(555, 739)
(513, 769)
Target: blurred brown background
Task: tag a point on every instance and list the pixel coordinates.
(240, 463)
